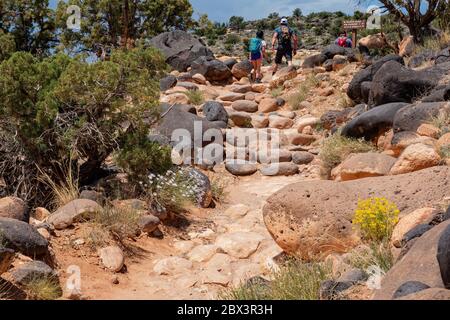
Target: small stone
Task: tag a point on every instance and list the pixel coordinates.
(268, 105)
(302, 157)
(184, 246)
(112, 258)
(149, 223)
(115, 280)
(410, 221)
(239, 244)
(40, 214)
(237, 211)
(409, 288)
(429, 130)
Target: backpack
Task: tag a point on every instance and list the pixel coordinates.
(285, 37)
(342, 42)
(255, 45)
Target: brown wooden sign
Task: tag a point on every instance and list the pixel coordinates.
(354, 24)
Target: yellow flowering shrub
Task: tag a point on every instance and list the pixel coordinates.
(376, 218)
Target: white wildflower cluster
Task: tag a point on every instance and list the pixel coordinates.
(174, 189)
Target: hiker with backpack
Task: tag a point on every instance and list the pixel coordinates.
(287, 43)
(257, 50)
(344, 41)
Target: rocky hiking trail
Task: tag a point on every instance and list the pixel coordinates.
(227, 246)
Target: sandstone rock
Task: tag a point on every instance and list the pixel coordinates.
(260, 121)
(279, 169)
(184, 246)
(149, 223)
(245, 106)
(278, 122)
(243, 88)
(199, 78)
(40, 214)
(284, 74)
(410, 221)
(202, 253)
(250, 96)
(407, 47)
(6, 259)
(267, 156)
(112, 258)
(188, 85)
(240, 245)
(73, 212)
(401, 140)
(416, 157)
(259, 87)
(304, 122)
(363, 165)
(429, 130)
(14, 208)
(242, 69)
(302, 157)
(22, 237)
(239, 169)
(175, 98)
(172, 266)
(297, 215)
(268, 105)
(419, 264)
(301, 139)
(241, 119)
(232, 96)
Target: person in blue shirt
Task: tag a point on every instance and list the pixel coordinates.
(257, 53)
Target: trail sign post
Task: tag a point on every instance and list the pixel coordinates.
(354, 26)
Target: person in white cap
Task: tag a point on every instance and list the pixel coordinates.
(287, 43)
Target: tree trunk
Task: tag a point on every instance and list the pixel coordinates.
(126, 23)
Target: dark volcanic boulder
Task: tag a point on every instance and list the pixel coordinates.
(214, 111)
(373, 122)
(22, 237)
(180, 48)
(411, 117)
(366, 75)
(314, 61)
(443, 256)
(439, 94)
(186, 128)
(213, 70)
(395, 83)
(421, 58)
(230, 63)
(167, 82)
(333, 50)
(203, 187)
(443, 56)
(410, 287)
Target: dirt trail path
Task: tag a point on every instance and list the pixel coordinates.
(246, 255)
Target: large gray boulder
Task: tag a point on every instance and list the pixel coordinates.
(180, 48)
(373, 122)
(73, 212)
(22, 237)
(366, 75)
(410, 117)
(214, 70)
(395, 83)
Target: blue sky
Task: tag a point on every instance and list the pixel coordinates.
(222, 10)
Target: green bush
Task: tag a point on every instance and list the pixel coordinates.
(232, 39)
(62, 112)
